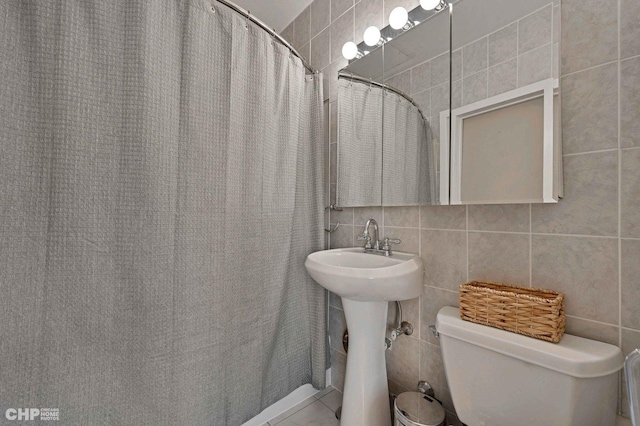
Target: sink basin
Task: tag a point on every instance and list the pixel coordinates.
(356, 275)
(366, 283)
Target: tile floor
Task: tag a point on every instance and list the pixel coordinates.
(317, 410)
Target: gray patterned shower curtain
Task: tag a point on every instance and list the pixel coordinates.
(160, 187)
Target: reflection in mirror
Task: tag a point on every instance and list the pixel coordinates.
(389, 104)
(387, 136)
(359, 142)
(505, 143)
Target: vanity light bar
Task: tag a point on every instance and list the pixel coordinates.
(400, 21)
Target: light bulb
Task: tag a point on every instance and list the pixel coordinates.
(349, 50)
(371, 36)
(429, 4)
(398, 18)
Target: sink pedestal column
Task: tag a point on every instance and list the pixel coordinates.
(366, 395)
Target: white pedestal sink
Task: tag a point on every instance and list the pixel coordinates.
(366, 283)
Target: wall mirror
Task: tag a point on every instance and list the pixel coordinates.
(389, 104)
(505, 116)
(408, 136)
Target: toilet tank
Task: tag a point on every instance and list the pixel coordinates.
(499, 378)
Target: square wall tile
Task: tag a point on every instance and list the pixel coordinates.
(503, 44)
(301, 32)
(345, 217)
(408, 217)
(629, 28)
(335, 300)
(535, 65)
(432, 368)
(401, 81)
(403, 361)
(590, 203)
(443, 217)
(474, 88)
(474, 57)
(337, 326)
(432, 300)
(592, 330)
(338, 369)
(410, 238)
(338, 7)
(440, 69)
(305, 51)
(589, 34)
(585, 269)
(362, 214)
(535, 29)
(503, 77)
(444, 254)
(320, 16)
(410, 312)
(320, 50)
(499, 257)
(423, 99)
(421, 77)
(396, 389)
(630, 194)
(499, 217)
(630, 102)
(342, 237)
(287, 33)
(439, 99)
(456, 64)
(341, 32)
(456, 94)
(630, 255)
(336, 66)
(590, 110)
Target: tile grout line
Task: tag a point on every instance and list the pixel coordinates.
(553, 18)
(467, 235)
(589, 68)
(619, 72)
(518, 53)
(597, 151)
(619, 75)
(530, 250)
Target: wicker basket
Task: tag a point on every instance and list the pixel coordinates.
(533, 312)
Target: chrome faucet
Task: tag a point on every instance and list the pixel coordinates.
(374, 239)
(373, 243)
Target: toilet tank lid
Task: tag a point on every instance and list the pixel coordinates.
(574, 356)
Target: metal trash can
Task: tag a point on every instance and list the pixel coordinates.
(418, 409)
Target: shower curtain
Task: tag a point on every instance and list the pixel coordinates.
(359, 168)
(386, 153)
(160, 187)
(408, 177)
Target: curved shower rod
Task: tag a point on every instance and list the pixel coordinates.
(355, 77)
(247, 14)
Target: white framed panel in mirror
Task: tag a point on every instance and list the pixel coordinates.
(507, 148)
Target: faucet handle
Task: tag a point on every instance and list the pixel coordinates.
(365, 237)
(389, 241)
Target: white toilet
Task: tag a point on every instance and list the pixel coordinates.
(498, 378)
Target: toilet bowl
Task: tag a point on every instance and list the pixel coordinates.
(498, 378)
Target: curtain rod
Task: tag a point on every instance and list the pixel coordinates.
(343, 73)
(247, 14)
